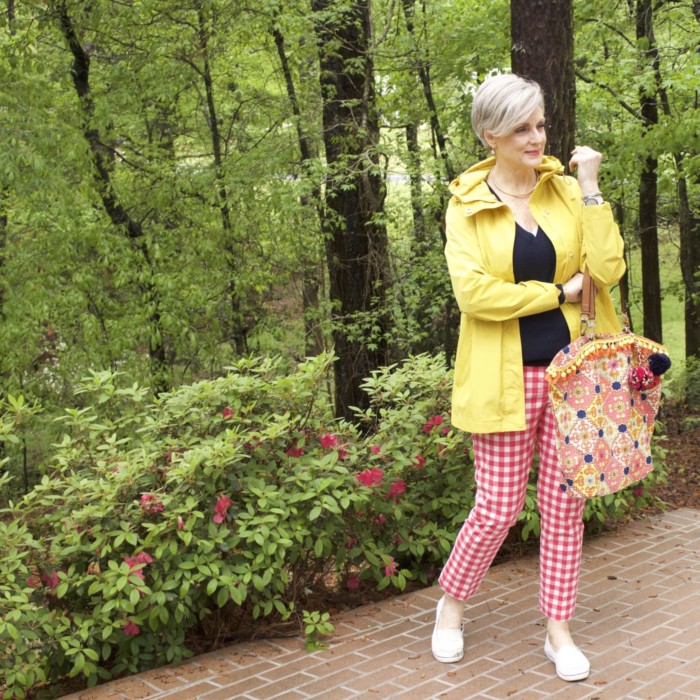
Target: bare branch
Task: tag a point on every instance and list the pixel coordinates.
(607, 88)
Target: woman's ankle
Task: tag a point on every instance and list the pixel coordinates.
(559, 633)
(452, 611)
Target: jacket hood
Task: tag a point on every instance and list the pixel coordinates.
(471, 188)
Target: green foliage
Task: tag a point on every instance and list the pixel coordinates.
(232, 496)
(316, 625)
(689, 382)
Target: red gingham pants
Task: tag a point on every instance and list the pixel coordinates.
(502, 466)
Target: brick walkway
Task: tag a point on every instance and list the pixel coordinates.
(638, 621)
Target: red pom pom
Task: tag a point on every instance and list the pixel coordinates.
(641, 378)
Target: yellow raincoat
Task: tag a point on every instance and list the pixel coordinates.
(488, 394)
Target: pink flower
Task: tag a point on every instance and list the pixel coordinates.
(419, 461)
(131, 629)
(445, 430)
(144, 558)
(396, 489)
(220, 509)
(180, 523)
(390, 569)
(151, 503)
(375, 449)
(370, 477)
(328, 440)
(135, 566)
(352, 582)
(638, 491)
(397, 540)
(50, 580)
(432, 422)
(352, 541)
(294, 451)
(227, 413)
(379, 520)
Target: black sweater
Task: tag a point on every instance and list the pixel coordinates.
(542, 335)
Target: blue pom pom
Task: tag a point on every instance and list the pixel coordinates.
(659, 363)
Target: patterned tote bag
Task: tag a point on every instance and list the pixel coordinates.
(605, 391)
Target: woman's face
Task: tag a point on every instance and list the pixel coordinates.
(524, 146)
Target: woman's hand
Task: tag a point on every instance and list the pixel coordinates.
(586, 162)
(572, 288)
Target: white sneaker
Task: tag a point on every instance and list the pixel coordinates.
(448, 645)
(569, 661)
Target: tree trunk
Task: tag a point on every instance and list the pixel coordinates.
(311, 207)
(239, 331)
(355, 192)
(423, 68)
(689, 224)
(542, 49)
(450, 316)
(648, 185)
(120, 218)
(625, 299)
(415, 176)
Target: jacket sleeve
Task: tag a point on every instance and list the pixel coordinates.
(483, 295)
(602, 248)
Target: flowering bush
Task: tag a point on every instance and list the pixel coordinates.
(236, 493)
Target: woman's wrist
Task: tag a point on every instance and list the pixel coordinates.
(593, 198)
(588, 186)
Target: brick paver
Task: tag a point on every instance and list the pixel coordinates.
(638, 620)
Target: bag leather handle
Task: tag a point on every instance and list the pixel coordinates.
(588, 292)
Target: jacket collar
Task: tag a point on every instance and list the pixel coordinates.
(471, 188)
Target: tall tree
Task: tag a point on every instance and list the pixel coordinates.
(206, 19)
(422, 65)
(542, 49)
(115, 209)
(355, 192)
(442, 324)
(311, 202)
(648, 183)
(689, 219)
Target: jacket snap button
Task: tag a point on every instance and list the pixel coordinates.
(469, 210)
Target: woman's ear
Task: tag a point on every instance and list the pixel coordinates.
(490, 140)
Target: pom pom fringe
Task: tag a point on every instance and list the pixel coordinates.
(605, 346)
(659, 363)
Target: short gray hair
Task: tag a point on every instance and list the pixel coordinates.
(502, 102)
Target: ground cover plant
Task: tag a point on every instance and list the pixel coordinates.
(240, 494)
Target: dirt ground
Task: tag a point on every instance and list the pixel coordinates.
(682, 444)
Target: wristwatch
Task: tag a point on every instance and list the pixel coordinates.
(592, 199)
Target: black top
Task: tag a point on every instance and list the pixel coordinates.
(541, 335)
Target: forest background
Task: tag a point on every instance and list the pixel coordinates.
(196, 196)
(184, 184)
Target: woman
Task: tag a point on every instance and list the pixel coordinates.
(519, 233)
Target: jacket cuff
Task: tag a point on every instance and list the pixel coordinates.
(562, 296)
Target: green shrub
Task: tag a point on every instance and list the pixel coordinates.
(238, 493)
